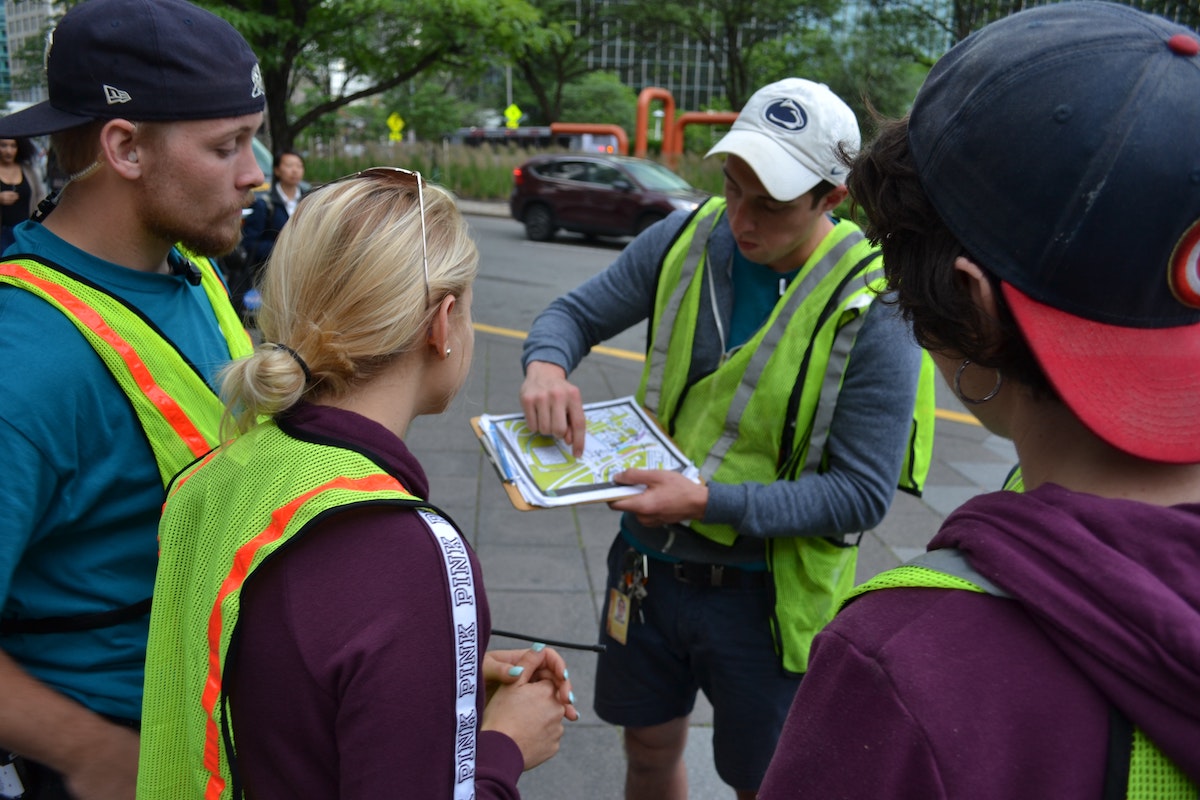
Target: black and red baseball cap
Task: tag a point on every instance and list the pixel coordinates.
(1061, 146)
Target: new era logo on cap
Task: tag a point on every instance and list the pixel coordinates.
(114, 96)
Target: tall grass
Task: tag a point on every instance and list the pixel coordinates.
(476, 173)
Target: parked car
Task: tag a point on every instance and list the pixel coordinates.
(596, 195)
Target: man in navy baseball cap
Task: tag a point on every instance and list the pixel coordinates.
(114, 323)
(153, 60)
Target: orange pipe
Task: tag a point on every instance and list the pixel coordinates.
(645, 97)
(693, 118)
(588, 127)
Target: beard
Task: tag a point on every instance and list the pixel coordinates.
(213, 237)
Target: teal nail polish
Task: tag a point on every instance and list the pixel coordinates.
(566, 673)
(538, 647)
(515, 671)
(571, 697)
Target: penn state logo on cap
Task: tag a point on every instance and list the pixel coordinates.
(1184, 275)
(786, 114)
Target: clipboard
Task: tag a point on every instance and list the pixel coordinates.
(509, 485)
(522, 481)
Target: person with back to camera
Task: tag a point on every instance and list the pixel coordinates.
(1048, 643)
(777, 371)
(319, 626)
(21, 187)
(111, 337)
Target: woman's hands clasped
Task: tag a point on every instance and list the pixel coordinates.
(529, 695)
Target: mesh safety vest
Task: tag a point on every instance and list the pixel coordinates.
(223, 518)
(764, 413)
(1137, 769)
(175, 406)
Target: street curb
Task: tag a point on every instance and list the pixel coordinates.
(484, 208)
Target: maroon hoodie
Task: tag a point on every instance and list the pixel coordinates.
(343, 684)
(934, 693)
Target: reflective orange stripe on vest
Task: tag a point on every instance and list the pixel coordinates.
(242, 562)
(175, 416)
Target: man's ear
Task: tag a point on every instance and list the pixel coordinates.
(119, 148)
(834, 198)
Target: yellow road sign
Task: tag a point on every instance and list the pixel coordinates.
(395, 123)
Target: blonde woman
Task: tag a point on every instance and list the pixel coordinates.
(319, 629)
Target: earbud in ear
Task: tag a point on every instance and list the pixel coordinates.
(133, 157)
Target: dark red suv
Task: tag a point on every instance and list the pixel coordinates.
(596, 195)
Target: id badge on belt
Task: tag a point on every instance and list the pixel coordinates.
(624, 599)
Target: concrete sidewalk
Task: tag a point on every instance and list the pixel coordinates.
(545, 570)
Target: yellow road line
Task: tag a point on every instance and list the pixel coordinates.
(629, 355)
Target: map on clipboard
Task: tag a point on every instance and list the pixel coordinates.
(541, 471)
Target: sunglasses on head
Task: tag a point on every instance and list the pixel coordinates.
(406, 177)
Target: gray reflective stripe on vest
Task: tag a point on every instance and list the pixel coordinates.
(764, 351)
(662, 337)
(831, 383)
(951, 561)
(466, 648)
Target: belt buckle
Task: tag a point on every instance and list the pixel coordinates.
(710, 575)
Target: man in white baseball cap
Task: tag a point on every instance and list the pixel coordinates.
(789, 134)
(777, 371)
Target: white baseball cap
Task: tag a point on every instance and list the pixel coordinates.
(790, 132)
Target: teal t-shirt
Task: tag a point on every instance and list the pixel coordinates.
(756, 290)
(80, 493)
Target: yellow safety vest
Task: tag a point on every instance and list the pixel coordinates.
(224, 516)
(1152, 776)
(764, 414)
(177, 409)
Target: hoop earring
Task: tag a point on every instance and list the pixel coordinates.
(972, 400)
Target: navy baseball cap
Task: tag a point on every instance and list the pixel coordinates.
(1059, 145)
(142, 60)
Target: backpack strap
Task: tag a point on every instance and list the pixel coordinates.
(1135, 768)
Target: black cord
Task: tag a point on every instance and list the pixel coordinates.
(595, 648)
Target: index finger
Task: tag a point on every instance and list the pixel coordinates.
(576, 425)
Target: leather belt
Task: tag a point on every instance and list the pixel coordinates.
(720, 576)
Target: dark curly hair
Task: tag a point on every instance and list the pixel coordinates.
(918, 260)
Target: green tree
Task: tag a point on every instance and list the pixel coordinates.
(430, 106)
(343, 51)
(729, 31)
(959, 18)
(549, 59)
(599, 97)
